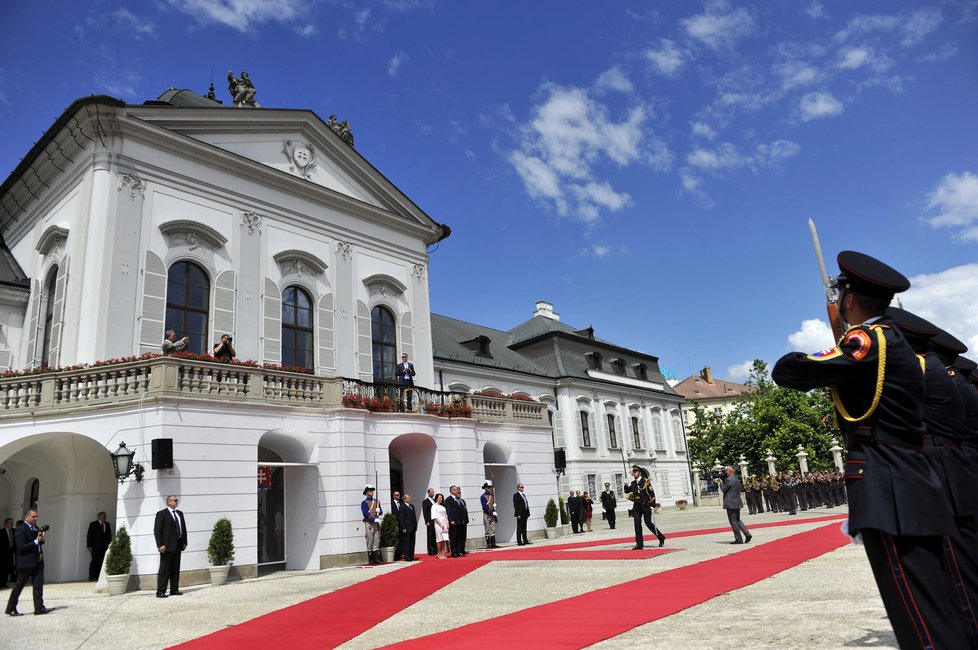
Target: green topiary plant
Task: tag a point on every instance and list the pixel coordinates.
(220, 550)
(119, 557)
(389, 530)
(550, 514)
(564, 519)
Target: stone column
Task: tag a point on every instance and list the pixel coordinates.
(836, 453)
(743, 468)
(697, 470)
(802, 460)
(718, 468)
(770, 462)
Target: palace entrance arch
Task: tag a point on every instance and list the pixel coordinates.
(288, 502)
(413, 471)
(500, 469)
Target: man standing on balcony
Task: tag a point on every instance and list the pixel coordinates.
(171, 344)
(405, 379)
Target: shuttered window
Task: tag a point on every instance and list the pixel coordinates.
(187, 297)
(383, 340)
(297, 322)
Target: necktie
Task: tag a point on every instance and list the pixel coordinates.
(176, 520)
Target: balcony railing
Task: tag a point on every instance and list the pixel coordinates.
(161, 378)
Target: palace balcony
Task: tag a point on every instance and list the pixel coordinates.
(152, 379)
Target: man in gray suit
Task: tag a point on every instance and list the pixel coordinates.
(733, 503)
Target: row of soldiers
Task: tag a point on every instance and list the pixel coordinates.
(785, 492)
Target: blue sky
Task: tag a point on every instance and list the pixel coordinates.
(649, 168)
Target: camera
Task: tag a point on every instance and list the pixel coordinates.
(45, 528)
(718, 474)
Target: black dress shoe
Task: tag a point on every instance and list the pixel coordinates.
(662, 541)
(43, 610)
(12, 612)
(736, 541)
(161, 595)
(176, 593)
(638, 548)
(748, 539)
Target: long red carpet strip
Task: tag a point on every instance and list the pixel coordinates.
(615, 610)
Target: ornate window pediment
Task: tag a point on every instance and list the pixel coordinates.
(383, 284)
(193, 234)
(294, 261)
(52, 239)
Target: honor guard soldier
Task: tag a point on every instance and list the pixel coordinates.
(489, 518)
(372, 512)
(642, 506)
(896, 504)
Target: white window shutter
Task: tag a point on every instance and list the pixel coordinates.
(327, 336)
(558, 429)
(677, 434)
(407, 336)
(619, 432)
(364, 354)
(593, 428)
(32, 355)
(272, 323)
(5, 357)
(641, 432)
(153, 317)
(57, 317)
(224, 305)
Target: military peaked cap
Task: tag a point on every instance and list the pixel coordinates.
(868, 276)
(944, 343)
(912, 325)
(965, 365)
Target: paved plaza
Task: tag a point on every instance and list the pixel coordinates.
(829, 601)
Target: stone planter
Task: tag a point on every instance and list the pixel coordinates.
(551, 533)
(565, 530)
(219, 574)
(387, 553)
(118, 584)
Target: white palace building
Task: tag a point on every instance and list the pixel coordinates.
(124, 221)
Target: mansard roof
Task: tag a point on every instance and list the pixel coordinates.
(11, 274)
(451, 340)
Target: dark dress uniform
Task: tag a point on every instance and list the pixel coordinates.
(642, 507)
(896, 502)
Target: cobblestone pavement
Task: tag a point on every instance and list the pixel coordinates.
(828, 602)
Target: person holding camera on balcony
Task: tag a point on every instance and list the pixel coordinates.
(224, 351)
(171, 344)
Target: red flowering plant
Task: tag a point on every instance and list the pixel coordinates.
(496, 393)
(488, 393)
(519, 396)
(369, 403)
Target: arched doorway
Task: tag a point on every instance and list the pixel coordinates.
(412, 465)
(70, 477)
(498, 460)
(288, 502)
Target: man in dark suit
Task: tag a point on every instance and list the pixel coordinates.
(572, 510)
(396, 506)
(29, 540)
(642, 506)
(429, 526)
(609, 503)
(407, 522)
(170, 530)
(405, 378)
(521, 510)
(458, 516)
(8, 551)
(897, 505)
(733, 503)
(97, 540)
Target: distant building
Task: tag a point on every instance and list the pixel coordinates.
(610, 406)
(713, 395)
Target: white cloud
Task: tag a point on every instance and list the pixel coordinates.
(125, 21)
(703, 130)
(666, 59)
(817, 105)
(795, 74)
(394, 65)
(569, 136)
(913, 27)
(596, 250)
(242, 15)
(614, 79)
(726, 156)
(814, 335)
(719, 27)
(919, 25)
(815, 10)
(777, 151)
(948, 300)
(307, 30)
(854, 57)
(955, 200)
(741, 371)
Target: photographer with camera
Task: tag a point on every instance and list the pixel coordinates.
(30, 564)
(224, 351)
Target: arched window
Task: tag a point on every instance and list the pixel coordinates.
(187, 298)
(297, 328)
(49, 290)
(383, 336)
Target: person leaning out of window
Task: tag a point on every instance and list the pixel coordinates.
(224, 351)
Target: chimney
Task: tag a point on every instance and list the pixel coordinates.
(706, 375)
(546, 310)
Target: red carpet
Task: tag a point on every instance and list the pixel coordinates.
(615, 610)
(334, 618)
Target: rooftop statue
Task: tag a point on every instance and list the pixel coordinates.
(242, 90)
(341, 129)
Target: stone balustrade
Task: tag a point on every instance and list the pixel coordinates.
(173, 378)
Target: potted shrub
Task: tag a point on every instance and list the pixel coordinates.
(388, 536)
(117, 562)
(220, 551)
(681, 504)
(564, 519)
(550, 519)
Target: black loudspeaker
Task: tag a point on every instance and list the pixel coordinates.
(163, 453)
(560, 459)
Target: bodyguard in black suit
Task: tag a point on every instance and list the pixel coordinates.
(396, 506)
(29, 540)
(458, 517)
(896, 503)
(573, 510)
(170, 530)
(429, 525)
(521, 510)
(8, 550)
(97, 540)
(407, 523)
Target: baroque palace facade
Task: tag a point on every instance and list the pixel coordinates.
(125, 221)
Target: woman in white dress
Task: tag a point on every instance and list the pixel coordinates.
(439, 517)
